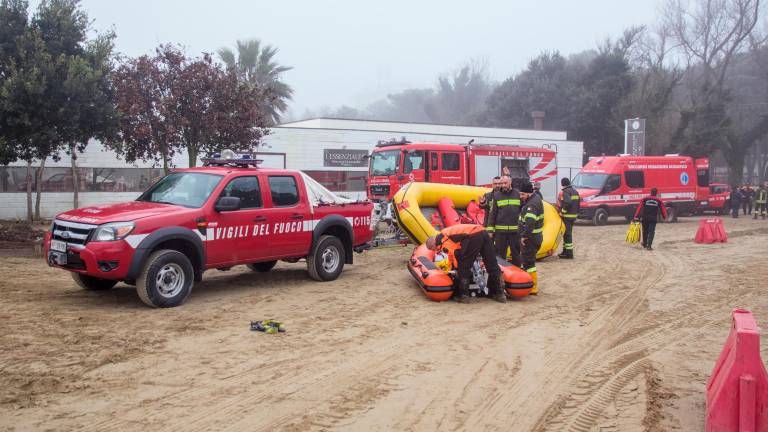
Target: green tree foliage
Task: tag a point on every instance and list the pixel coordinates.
(54, 92)
(255, 63)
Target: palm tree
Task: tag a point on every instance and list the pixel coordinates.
(255, 64)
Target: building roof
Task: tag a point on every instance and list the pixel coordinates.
(423, 128)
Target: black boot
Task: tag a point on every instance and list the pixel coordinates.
(567, 254)
(496, 288)
(462, 292)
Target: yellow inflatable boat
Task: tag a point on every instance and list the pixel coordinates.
(415, 203)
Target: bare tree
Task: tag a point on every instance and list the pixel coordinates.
(709, 35)
(657, 74)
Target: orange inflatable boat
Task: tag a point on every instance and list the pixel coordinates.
(438, 285)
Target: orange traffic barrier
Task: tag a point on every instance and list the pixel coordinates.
(711, 230)
(737, 391)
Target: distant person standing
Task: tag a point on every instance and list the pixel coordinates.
(569, 201)
(649, 210)
(748, 196)
(761, 200)
(735, 199)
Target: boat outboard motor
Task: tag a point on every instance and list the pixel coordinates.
(480, 277)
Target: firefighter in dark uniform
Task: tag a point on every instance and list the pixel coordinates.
(463, 243)
(531, 228)
(504, 219)
(569, 202)
(648, 211)
(485, 201)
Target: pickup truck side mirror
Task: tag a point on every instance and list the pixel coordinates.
(227, 204)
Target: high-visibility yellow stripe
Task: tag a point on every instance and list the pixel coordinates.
(506, 227)
(568, 246)
(574, 197)
(489, 228)
(537, 230)
(531, 270)
(531, 216)
(506, 202)
(570, 215)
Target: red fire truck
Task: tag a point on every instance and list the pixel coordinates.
(393, 164)
(614, 185)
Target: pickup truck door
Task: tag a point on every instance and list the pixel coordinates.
(288, 212)
(239, 236)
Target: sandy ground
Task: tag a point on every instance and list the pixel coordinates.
(621, 339)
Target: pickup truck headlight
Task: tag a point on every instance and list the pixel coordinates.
(112, 231)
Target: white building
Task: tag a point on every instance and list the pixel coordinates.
(302, 145)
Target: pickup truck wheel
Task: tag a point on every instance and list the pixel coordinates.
(326, 261)
(91, 283)
(262, 266)
(166, 280)
(601, 217)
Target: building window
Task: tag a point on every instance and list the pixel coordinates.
(340, 181)
(450, 161)
(634, 179)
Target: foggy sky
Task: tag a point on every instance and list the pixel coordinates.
(354, 52)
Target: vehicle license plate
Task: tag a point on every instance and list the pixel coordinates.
(59, 246)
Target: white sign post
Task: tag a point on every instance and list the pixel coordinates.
(634, 137)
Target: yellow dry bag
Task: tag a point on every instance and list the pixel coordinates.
(633, 233)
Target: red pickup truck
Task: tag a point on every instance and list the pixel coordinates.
(223, 214)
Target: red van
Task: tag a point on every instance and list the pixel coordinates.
(614, 185)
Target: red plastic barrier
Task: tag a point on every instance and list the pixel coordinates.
(737, 391)
(711, 231)
(448, 212)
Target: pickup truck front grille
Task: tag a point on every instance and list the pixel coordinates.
(73, 233)
(380, 190)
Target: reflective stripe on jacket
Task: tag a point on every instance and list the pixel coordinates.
(505, 212)
(761, 197)
(532, 217)
(569, 202)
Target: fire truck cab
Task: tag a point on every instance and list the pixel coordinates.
(394, 164)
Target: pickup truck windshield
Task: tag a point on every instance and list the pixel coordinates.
(589, 181)
(385, 163)
(183, 188)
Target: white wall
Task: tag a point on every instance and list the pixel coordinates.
(303, 148)
(15, 204)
